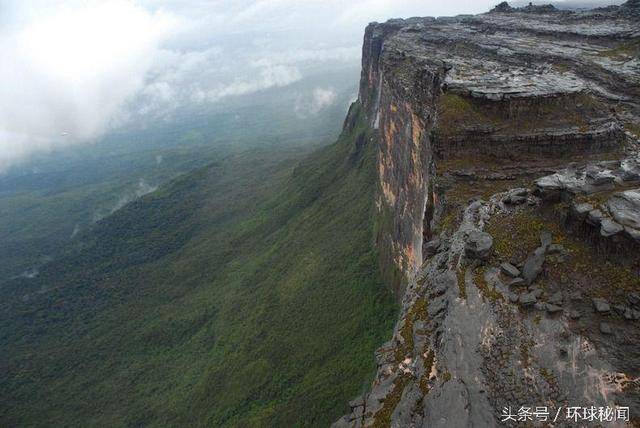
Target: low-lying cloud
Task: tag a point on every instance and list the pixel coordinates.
(268, 77)
(314, 102)
(141, 189)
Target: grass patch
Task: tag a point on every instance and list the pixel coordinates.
(516, 235)
(382, 418)
(417, 312)
(424, 379)
(457, 114)
(634, 128)
(487, 291)
(623, 51)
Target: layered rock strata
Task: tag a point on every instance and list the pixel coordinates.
(508, 149)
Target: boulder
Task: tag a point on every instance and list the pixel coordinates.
(517, 282)
(549, 187)
(510, 270)
(556, 249)
(628, 314)
(601, 305)
(581, 211)
(595, 217)
(513, 297)
(605, 328)
(516, 196)
(527, 299)
(609, 228)
(633, 299)
(533, 266)
(597, 177)
(553, 309)
(625, 208)
(630, 170)
(545, 239)
(619, 309)
(479, 245)
(575, 296)
(556, 298)
(631, 314)
(574, 315)
(536, 292)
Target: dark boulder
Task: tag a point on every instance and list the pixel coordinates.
(605, 328)
(553, 309)
(633, 299)
(533, 266)
(479, 245)
(601, 305)
(510, 270)
(528, 299)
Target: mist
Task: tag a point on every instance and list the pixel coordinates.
(72, 71)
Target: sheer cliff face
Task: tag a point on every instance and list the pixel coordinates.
(518, 85)
(509, 215)
(400, 103)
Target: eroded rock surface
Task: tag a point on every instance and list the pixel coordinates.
(510, 196)
(494, 97)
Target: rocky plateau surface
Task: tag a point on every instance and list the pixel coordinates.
(509, 198)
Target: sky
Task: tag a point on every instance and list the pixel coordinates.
(71, 71)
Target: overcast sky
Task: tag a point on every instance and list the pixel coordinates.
(72, 70)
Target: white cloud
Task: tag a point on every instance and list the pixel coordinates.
(269, 77)
(70, 70)
(64, 76)
(314, 102)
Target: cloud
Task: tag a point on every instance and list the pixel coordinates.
(314, 102)
(141, 189)
(72, 70)
(268, 77)
(65, 75)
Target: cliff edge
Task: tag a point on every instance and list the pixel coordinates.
(509, 214)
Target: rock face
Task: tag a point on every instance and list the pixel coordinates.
(472, 112)
(511, 84)
(625, 208)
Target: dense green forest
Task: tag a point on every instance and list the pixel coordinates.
(244, 293)
(47, 200)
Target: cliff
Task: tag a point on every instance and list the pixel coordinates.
(508, 212)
